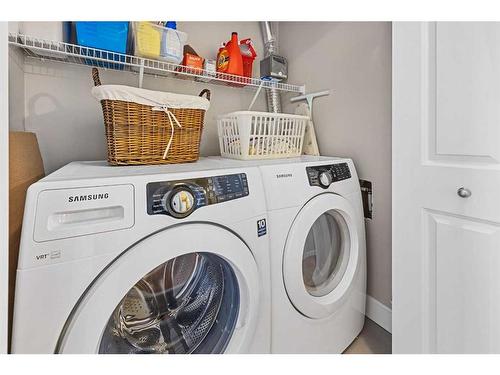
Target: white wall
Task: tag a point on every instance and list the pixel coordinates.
(354, 60)
(59, 108)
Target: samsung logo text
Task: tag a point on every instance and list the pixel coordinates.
(88, 197)
(284, 175)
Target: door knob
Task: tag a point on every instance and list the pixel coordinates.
(464, 193)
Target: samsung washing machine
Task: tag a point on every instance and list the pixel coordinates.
(156, 259)
(318, 253)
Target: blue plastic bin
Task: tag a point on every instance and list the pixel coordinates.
(109, 36)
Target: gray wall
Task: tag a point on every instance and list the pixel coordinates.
(354, 60)
(67, 120)
(16, 90)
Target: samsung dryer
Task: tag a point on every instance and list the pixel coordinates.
(156, 259)
(318, 253)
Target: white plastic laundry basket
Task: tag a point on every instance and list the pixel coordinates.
(249, 135)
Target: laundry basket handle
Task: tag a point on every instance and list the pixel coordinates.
(95, 76)
(206, 91)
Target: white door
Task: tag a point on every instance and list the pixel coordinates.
(192, 288)
(446, 188)
(321, 255)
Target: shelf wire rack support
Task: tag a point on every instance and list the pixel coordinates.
(67, 53)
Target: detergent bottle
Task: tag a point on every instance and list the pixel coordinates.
(222, 59)
(235, 65)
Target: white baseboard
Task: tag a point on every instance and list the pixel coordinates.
(379, 313)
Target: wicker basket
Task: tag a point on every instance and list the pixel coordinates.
(137, 134)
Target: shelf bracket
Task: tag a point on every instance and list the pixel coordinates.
(141, 73)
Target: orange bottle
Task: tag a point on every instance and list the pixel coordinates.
(222, 59)
(235, 65)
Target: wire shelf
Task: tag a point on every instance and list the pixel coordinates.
(67, 53)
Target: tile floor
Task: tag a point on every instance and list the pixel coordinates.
(373, 339)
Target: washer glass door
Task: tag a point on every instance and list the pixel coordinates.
(321, 255)
(192, 288)
(188, 304)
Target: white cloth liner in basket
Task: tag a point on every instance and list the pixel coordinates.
(160, 101)
(149, 97)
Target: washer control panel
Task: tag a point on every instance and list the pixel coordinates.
(324, 175)
(180, 198)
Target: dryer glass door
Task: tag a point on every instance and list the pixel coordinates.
(192, 288)
(326, 253)
(321, 255)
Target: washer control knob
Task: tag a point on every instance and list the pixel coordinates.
(182, 202)
(325, 178)
(179, 202)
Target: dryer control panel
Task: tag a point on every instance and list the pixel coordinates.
(180, 198)
(324, 175)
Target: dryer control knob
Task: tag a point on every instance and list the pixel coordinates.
(325, 178)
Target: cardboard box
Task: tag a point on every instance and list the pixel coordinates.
(25, 168)
(192, 63)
